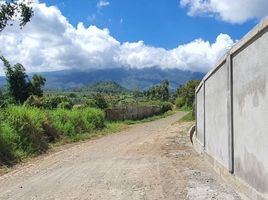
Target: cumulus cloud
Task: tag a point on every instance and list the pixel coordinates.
(103, 3)
(50, 43)
(233, 11)
(198, 55)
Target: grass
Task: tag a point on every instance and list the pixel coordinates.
(110, 128)
(185, 109)
(188, 117)
(26, 132)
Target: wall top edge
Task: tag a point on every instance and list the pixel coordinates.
(259, 28)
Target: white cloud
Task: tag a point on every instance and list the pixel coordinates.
(233, 11)
(49, 43)
(198, 55)
(103, 3)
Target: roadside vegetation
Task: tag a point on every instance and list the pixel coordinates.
(32, 120)
(184, 99)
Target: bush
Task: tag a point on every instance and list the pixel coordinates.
(166, 106)
(91, 103)
(100, 101)
(34, 101)
(28, 130)
(71, 123)
(9, 141)
(52, 102)
(72, 95)
(179, 102)
(65, 105)
(28, 124)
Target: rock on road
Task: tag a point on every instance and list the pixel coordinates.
(154, 161)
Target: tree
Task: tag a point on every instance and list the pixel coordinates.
(159, 92)
(19, 86)
(186, 93)
(165, 90)
(17, 81)
(36, 85)
(10, 10)
(100, 101)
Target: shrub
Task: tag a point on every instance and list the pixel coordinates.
(9, 140)
(28, 130)
(54, 101)
(49, 102)
(28, 124)
(179, 102)
(91, 103)
(100, 101)
(77, 121)
(34, 101)
(65, 105)
(166, 106)
(72, 95)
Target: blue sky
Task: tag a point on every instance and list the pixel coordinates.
(98, 34)
(160, 23)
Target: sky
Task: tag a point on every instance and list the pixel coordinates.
(88, 34)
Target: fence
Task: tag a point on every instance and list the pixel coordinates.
(132, 112)
(232, 112)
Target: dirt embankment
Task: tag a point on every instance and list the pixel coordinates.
(147, 161)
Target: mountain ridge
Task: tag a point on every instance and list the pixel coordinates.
(126, 77)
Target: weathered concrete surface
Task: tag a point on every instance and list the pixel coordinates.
(151, 161)
(250, 90)
(216, 117)
(247, 110)
(200, 116)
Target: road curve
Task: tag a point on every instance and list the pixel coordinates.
(147, 161)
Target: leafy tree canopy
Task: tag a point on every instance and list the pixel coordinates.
(186, 94)
(159, 92)
(19, 86)
(13, 9)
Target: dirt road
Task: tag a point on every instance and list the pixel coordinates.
(147, 161)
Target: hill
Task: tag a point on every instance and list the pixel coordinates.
(126, 77)
(108, 87)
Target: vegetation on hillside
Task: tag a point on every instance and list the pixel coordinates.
(130, 78)
(107, 87)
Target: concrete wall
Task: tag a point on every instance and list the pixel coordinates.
(216, 122)
(250, 103)
(200, 115)
(234, 111)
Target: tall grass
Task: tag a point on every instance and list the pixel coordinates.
(76, 121)
(27, 131)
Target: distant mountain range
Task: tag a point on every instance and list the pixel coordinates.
(127, 78)
(107, 87)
